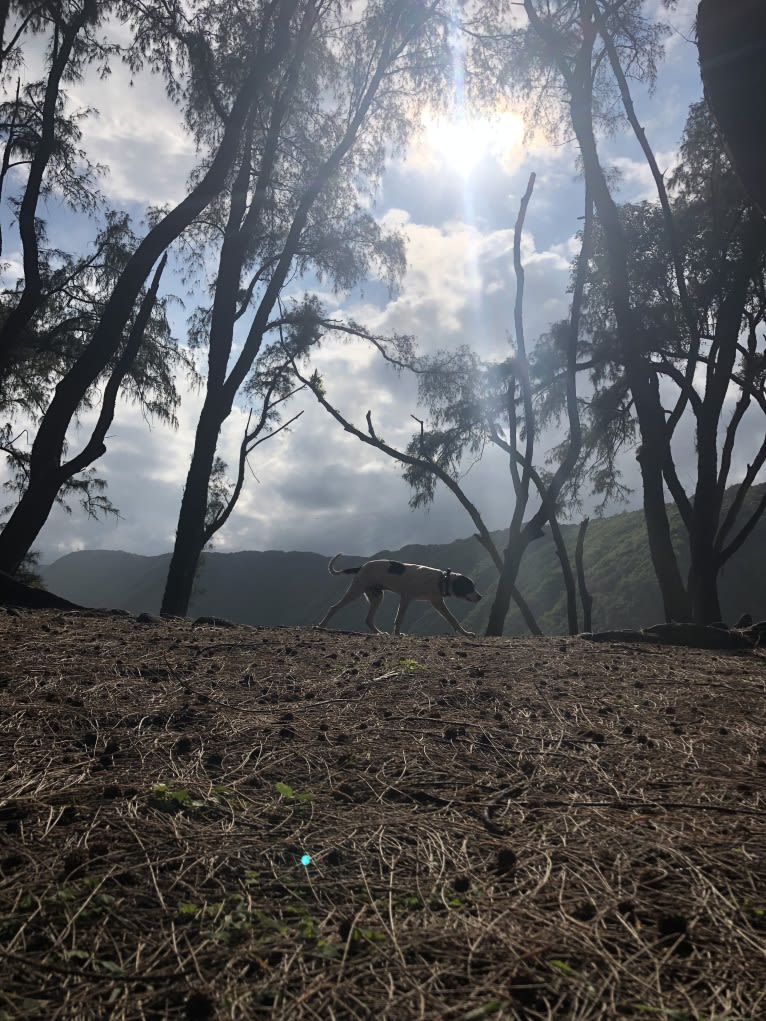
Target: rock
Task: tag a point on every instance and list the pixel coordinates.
(213, 622)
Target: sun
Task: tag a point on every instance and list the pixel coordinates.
(462, 141)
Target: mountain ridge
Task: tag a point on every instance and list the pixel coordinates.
(276, 587)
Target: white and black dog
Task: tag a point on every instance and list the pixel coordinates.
(410, 582)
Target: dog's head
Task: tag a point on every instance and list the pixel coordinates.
(464, 588)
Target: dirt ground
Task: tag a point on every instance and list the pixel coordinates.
(205, 822)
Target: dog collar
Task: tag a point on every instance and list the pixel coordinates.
(444, 583)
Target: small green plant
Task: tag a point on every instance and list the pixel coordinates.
(563, 967)
(363, 933)
(286, 791)
(410, 666)
(171, 798)
(168, 798)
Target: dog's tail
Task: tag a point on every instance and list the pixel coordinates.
(347, 570)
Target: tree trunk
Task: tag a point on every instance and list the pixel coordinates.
(710, 488)
(731, 38)
(566, 570)
(585, 597)
(190, 533)
(675, 600)
(703, 589)
(502, 600)
(28, 518)
(703, 570)
(639, 373)
(641, 378)
(507, 581)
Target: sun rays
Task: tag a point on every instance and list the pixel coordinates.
(458, 141)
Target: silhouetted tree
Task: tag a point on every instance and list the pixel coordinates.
(293, 206)
(702, 341)
(208, 63)
(566, 49)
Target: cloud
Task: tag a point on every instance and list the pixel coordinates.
(138, 134)
(316, 487)
(636, 183)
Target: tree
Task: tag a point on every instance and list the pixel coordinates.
(145, 372)
(580, 40)
(222, 495)
(707, 335)
(293, 205)
(466, 400)
(521, 533)
(40, 136)
(192, 45)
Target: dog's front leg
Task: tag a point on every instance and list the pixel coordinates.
(439, 605)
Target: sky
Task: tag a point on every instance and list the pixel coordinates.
(455, 197)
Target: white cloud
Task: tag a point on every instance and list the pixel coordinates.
(137, 133)
(636, 182)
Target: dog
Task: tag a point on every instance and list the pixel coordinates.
(410, 582)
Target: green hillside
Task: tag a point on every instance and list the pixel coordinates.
(620, 577)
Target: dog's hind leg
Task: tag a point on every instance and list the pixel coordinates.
(374, 596)
(352, 594)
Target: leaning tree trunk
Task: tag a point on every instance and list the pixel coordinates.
(46, 476)
(28, 518)
(640, 376)
(190, 533)
(511, 563)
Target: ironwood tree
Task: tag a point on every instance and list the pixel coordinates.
(193, 46)
(294, 206)
(572, 57)
(721, 244)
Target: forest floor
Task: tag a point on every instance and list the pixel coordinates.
(238, 823)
